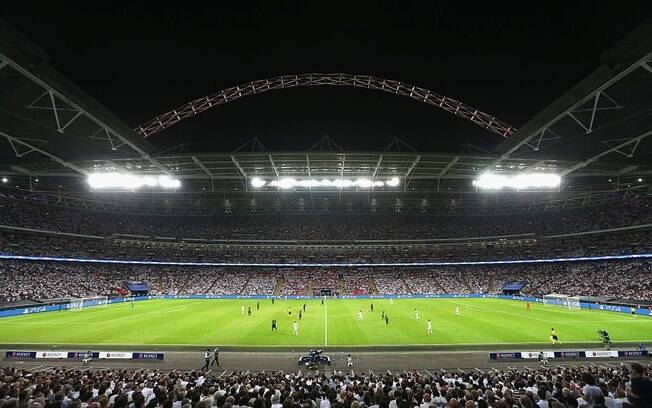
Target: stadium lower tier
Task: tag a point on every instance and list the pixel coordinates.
(37, 280)
(553, 387)
(403, 322)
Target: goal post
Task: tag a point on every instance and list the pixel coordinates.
(79, 304)
(574, 302)
(570, 302)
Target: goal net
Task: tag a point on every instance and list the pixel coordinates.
(571, 302)
(78, 304)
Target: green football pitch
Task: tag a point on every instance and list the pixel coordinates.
(194, 323)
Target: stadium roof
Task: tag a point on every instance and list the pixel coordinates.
(596, 135)
(605, 117)
(45, 117)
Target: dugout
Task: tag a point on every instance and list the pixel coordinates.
(513, 288)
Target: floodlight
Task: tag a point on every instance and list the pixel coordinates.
(523, 181)
(308, 183)
(168, 182)
(364, 182)
(287, 183)
(150, 181)
(393, 182)
(126, 181)
(257, 182)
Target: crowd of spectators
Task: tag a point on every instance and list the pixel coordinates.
(591, 386)
(20, 243)
(389, 282)
(262, 283)
(328, 227)
(436, 281)
(355, 283)
(20, 280)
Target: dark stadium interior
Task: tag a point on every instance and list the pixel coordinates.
(324, 152)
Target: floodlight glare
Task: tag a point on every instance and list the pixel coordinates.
(168, 182)
(150, 181)
(524, 181)
(342, 183)
(125, 181)
(393, 182)
(364, 182)
(307, 183)
(257, 182)
(287, 183)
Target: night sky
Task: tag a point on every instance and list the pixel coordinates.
(508, 61)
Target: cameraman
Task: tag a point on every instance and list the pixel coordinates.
(542, 358)
(604, 336)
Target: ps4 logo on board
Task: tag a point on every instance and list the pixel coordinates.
(34, 310)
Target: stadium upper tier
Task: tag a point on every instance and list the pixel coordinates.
(327, 227)
(57, 245)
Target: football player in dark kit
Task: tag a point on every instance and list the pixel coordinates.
(274, 328)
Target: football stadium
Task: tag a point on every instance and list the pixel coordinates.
(301, 219)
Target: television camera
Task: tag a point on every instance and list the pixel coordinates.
(314, 359)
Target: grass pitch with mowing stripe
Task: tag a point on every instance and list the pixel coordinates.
(220, 322)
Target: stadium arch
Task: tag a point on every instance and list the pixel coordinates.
(196, 106)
